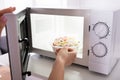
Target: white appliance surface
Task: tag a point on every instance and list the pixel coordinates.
(101, 45)
(103, 52)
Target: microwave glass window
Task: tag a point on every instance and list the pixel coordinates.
(46, 28)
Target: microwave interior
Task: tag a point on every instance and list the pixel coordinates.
(37, 28)
(45, 28)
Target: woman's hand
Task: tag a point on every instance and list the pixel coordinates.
(66, 56)
(3, 20)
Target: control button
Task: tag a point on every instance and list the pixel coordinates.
(99, 49)
(101, 29)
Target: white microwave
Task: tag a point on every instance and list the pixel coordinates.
(34, 29)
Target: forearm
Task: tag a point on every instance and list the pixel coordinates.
(57, 71)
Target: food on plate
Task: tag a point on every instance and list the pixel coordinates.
(65, 42)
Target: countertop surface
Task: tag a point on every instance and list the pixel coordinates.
(43, 65)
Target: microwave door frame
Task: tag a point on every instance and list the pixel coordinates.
(13, 44)
(24, 39)
(68, 12)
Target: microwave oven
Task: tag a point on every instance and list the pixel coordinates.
(34, 29)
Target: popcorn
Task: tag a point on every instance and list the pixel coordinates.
(65, 42)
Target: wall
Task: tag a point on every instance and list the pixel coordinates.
(49, 3)
(87, 4)
(19, 4)
(1, 5)
(95, 4)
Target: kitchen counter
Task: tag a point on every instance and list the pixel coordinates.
(41, 65)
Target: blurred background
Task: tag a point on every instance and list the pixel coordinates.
(89, 4)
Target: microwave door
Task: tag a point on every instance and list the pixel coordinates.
(13, 47)
(18, 44)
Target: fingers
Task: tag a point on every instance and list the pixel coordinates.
(72, 53)
(57, 50)
(71, 60)
(61, 50)
(67, 55)
(70, 50)
(3, 21)
(7, 10)
(66, 49)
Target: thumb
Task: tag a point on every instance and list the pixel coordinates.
(3, 21)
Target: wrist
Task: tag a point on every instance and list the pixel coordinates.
(60, 61)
